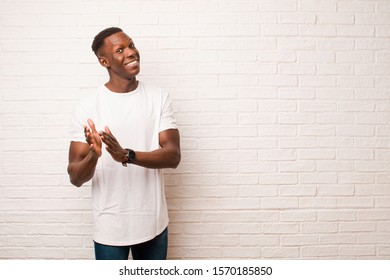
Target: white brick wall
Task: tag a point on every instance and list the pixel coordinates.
(283, 108)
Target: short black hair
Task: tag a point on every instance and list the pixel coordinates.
(99, 38)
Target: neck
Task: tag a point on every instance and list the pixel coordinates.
(122, 85)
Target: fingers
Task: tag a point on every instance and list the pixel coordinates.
(108, 131)
(92, 125)
(87, 134)
(107, 136)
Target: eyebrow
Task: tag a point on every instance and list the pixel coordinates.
(120, 43)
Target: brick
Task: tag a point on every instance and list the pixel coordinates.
(292, 93)
(338, 238)
(356, 154)
(309, 56)
(199, 31)
(279, 30)
(318, 131)
(218, 240)
(277, 56)
(279, 203)
(256, 68)
(258, 18)
(238, 106)
(261, 167)
(277, 155)
(375, 190)
(298, 216)
(257, 191)
(329, 166)
(333, 18)
(355, 130)
(335, 69)
(317, 227)
(238, 252)
(302, 240)
(361, 7)
(320, 251)
(281, 179)
(256, 118)
(238, 80)
(218, 119)
(238, 156)
(45, 253)
(357, 250)
(239, 228)
(355, 178)
(301, 18)
(382, 31)
(281, 228)
(296, 118)
(317, 202)
(297, 166)
(257, 44)
(368, 238)
(383, 250)
(241, 179)
(359, 227)
(336, 44)
(258, 240)
(224, 18)
(340, 190)
(302, 142)
(373, 214)
(336, 215)
(280, 6)
(225, 192)
(318, 6)
(218, 144)
(298, 69)
(168, 18)
(255, 93)
(382, 202)
(280, 253)
(317, 30)
(247, 30)
(335, 142)
(384, 227)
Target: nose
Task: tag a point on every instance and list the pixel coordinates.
(130, 52)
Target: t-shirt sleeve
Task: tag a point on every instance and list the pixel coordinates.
(79, 119)
(167, 120)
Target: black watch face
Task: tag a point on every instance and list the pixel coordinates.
(131, 156)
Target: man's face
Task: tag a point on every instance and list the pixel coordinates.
(120, 55)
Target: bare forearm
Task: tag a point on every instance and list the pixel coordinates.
(82, 171)
(158, 159)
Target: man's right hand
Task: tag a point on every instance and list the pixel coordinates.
(83, 157)
(93, 139)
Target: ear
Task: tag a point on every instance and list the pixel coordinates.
(103, 62)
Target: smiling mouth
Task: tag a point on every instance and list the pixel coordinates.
(134, 62)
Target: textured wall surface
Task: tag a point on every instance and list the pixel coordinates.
(283, 108)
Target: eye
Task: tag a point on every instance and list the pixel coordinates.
(131, 46)
(119, 50)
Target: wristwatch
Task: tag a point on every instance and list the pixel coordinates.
(130, 157)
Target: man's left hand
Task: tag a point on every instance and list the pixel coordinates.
(112, 145)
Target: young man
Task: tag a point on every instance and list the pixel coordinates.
(122, 137)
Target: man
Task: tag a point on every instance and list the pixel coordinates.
(135, 124)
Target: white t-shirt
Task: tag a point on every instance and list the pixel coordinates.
(129, 205)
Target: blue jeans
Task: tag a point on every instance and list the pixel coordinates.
(155, 249)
